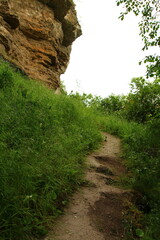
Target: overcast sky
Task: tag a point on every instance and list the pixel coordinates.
(105, 58)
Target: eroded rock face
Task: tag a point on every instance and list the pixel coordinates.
(36, 36)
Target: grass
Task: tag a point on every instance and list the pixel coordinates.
(44, 139)
(141, 150)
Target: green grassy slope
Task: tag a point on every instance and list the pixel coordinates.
(43, 140)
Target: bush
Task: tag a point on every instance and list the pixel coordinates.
(143, 102)
(113, 103)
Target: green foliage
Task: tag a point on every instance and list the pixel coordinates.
(43, 141)
(141, 148)
(153, 66)
(44, 138)
(143, 102)
(88, 100)
(136, 119)
(6, 77)
(149, 26)
(112, 103)
(139, 233)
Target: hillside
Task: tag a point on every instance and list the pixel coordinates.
(44, 138)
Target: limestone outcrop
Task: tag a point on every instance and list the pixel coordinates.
(36, 36)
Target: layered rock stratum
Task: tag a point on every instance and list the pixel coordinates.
(36, 36)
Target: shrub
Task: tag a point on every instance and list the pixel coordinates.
(143, 102)
(113, 103)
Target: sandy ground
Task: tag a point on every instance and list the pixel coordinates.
(95, 212)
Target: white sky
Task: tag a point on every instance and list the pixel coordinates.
(105, 58)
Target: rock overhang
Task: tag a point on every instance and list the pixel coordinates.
(36, 36)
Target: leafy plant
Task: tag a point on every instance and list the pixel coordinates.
(143, 102)
(112, 103)
(149, 28)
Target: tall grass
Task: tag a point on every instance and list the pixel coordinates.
(136, 119)
(43, 142)
(141, 149)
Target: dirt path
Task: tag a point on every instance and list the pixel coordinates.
(95, 211)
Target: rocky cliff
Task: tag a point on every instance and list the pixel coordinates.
(36, 36)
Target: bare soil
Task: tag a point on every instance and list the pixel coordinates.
(96, 211)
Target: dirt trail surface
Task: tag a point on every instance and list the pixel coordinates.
(95, 212)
